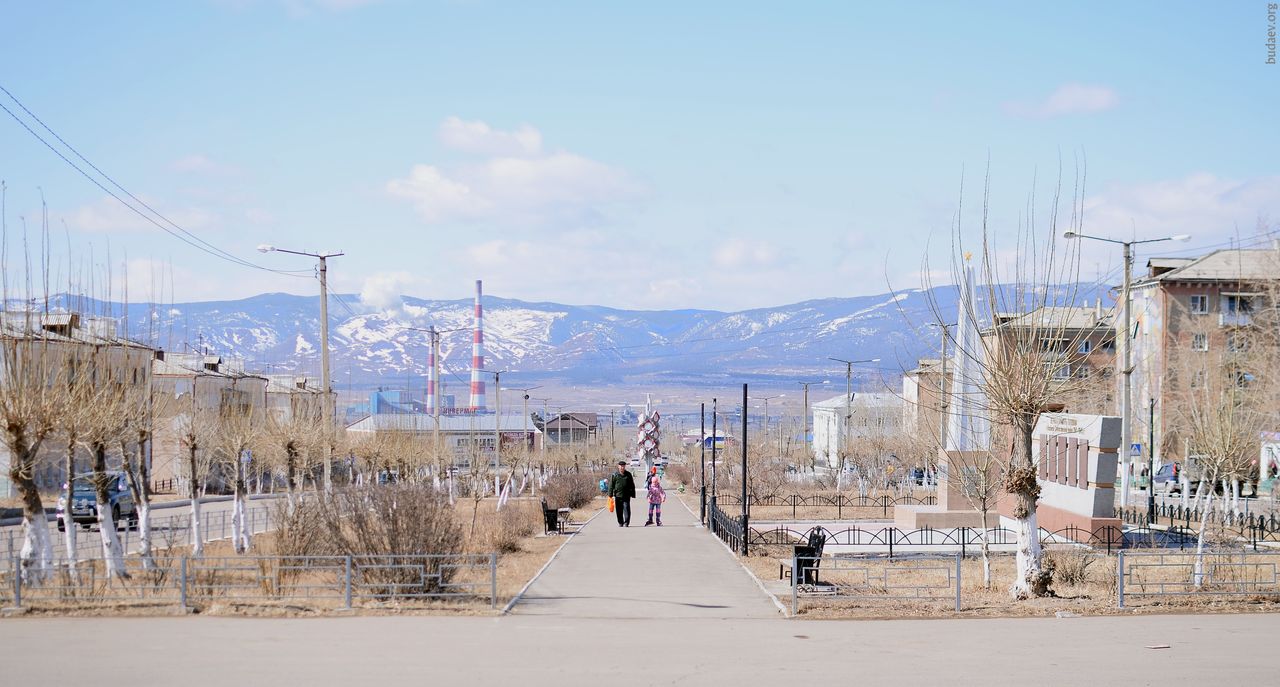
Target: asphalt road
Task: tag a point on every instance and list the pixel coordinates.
(549, 650)
(167, 522)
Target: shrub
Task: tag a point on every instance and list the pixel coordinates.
(502, 531)
(378, 520)
(680, 474)
(571, 491)
(1069, 566)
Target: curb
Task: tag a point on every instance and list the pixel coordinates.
(772, 597)
(516, 599)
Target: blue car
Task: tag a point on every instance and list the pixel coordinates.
(84, 501)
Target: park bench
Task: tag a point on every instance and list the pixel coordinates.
(554, 519)
(806, 558)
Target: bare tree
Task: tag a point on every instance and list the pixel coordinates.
(1017, 367)
(237, 432)
(99, 432)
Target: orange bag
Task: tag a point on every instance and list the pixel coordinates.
(610, 504)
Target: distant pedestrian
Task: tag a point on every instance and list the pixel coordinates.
(656, 496)
(653, 472)
(622, 488)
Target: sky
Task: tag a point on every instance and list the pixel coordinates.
(648, 155)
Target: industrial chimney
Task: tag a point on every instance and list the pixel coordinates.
(432, 393)
(477, 358)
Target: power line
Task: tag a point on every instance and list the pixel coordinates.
(181, 234)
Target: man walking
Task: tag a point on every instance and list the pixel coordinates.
(622, 488)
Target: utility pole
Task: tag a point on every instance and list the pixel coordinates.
(1151, 461)
(1126, 340)
(942, 384)
(848, 413)
(439, 396)
(702, 481)
(497, 425)
(327, 410)
(746, 510)
(805, 436)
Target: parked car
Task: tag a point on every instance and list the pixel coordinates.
(84, 501)
(1168, 480)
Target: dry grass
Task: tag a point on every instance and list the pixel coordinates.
(1084, 584)
(517, 529)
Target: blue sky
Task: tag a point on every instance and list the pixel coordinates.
(646, 155)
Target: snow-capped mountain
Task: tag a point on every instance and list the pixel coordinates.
(544, 341)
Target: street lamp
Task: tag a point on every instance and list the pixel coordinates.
(805, 437)
(766, 400)
(848, 409)
(326, 411)
(1126, 400)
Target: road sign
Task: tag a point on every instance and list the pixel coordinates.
(1135, 450)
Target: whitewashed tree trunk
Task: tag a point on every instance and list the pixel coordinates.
(36, 555)
(112, 551)
(144, 536)
(1185, 491)
(1235, 495)
(1198, 575)
(197, 526)
(240, 535)
(1028, 557)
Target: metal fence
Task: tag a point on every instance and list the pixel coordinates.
(1221, 573)
(1250, 527)
(323, 581)
(919, 578)
(838, 502)
(893, 540)
(166, 530)
(730, 528)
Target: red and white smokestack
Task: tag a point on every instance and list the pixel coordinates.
(431, 375)
(477, 358)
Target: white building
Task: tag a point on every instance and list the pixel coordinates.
(464, 436)
(869, 415)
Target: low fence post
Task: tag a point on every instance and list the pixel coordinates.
(795, 583)
(17, 583)
(746, 530)
(493, 581)
(959, 557)
(889, 534)
(182, 584)
(1120, 578)
(346, 584)
(839, 506)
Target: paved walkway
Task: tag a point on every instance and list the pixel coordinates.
(675, 571)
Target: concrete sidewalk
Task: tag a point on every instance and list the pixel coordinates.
(675, 571)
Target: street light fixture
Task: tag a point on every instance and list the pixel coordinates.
(1126, 399)
(326, 411)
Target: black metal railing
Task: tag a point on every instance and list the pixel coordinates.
(839, 502)
(1252, 528)
(729, 528)
(892, 540)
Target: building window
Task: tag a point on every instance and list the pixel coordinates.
(1199, 342)
(1058, 370)
(1085, 347)
(1237, 342)
(1199, 304)
(1237, 304)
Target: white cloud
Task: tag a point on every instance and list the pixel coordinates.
(1208, 207)
(1067, 99)
(478, 137)
(109, 215)
(384, 289)
(527, 187)
(741, 253)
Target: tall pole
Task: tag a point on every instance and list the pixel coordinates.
(746, 531)
(497, 424)
(804, 435)
(326, 412)
(942, 389)
(715, 439)
(435, 364)
(1126, 399)
(702, 481)
(1151, 461)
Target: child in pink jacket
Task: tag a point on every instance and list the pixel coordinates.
(656, 496)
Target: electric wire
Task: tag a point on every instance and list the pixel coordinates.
(181, 234)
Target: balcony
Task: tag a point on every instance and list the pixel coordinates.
(1235, 319)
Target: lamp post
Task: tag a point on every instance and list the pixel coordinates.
(326, 411)
(805, 435)
(1126, 394)
(702, 480)
(848, 411)
(766, 400)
